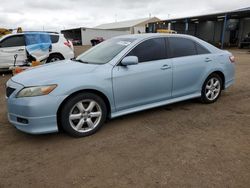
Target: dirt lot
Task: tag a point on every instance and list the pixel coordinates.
(182, 145)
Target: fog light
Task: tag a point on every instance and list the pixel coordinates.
(22, 120)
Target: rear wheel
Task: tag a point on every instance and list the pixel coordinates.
(83, 114)
(211, 89)
(54, 57)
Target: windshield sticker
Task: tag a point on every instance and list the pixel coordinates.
(124, 43)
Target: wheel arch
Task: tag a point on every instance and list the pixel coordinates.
(56, 53)
(221, 75)
(94, 91)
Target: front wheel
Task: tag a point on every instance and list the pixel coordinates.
(211, 89)
(83, 114)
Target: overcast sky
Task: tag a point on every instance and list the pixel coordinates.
(61, 14)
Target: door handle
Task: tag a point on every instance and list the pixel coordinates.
(164, 67)
(208, 60)
(20, 50)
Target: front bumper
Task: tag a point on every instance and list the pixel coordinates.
(34, 115)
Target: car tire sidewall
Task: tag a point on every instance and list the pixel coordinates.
(54, 56)
(64, 116)
(204, 98)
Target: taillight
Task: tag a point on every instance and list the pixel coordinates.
(67, 43)
(232, 59)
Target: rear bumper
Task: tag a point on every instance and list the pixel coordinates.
(69, 55)
(229, 83)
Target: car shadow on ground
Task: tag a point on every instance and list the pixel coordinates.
(110, 123)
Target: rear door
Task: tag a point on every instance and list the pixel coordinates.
(149, 81)
(190, 61)
(9, 47)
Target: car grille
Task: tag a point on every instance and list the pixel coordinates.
(9, 91)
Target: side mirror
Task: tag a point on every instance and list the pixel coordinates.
(130, 60)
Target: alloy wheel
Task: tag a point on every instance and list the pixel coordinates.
(213, 88)
(85, 116)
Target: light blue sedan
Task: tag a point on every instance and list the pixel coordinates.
(119, 76)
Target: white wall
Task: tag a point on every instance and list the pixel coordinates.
(139, 28)
(88, 34)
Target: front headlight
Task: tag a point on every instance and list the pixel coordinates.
(36, 91)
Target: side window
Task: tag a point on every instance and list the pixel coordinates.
(150, 50)
(54, 38)
(201, 50)
(181, 47)
(13, 41)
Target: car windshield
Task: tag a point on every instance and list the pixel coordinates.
(105, 51)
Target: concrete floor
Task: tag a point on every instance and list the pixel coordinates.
(187, 144)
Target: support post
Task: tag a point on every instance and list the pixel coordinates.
(186, 26)
(223, 32)
(169, 26)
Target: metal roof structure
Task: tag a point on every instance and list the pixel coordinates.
(126, 24)
(233, 14)
(223, 17)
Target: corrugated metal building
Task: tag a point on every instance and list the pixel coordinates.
(221, 29)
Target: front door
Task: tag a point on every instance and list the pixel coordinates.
(9, 47)
(147, 82)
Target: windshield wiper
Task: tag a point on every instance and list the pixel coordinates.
(79, 60)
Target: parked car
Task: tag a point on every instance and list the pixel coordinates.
(245, 42)
(120, 76)
(76, 42)
(96, 40)
(13, 44)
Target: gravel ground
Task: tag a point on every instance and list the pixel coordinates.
(187, 144)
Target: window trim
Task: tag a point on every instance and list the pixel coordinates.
(168, 47)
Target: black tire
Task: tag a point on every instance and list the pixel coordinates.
(67, 109)
(54, 56)
(204, 98)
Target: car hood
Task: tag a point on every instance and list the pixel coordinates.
(49, 73)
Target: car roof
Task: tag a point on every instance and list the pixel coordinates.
(15, 34)
(150, 35)
(140, 37)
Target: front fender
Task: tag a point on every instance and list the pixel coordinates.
(100, 82)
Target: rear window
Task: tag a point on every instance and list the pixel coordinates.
(54, 38)
(201, 49)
